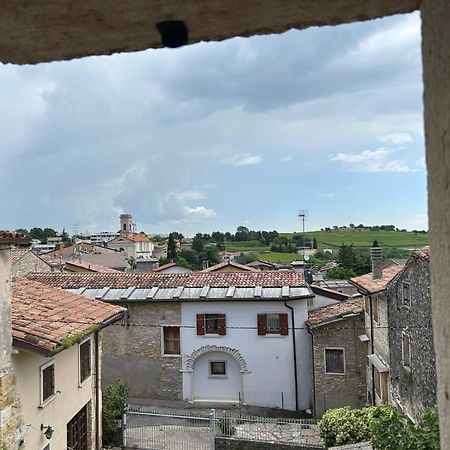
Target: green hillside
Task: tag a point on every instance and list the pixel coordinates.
(365, 238)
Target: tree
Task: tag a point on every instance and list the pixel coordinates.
(114, 400)
(315, 243)
(341, 273)
(65, 237)
(171, 248)
(375, 243)
(197, 243)
(177, 236)
(347, 256)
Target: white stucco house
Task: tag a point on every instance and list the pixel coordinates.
(56, 339)
(214, 337)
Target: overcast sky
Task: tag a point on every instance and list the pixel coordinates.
(214, 135)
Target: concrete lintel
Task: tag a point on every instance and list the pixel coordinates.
(40, 31)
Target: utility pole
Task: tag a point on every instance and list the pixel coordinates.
(302, 216)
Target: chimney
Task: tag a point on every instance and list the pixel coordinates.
(377, 263)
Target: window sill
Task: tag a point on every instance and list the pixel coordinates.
(212, 335)
(335, 373)
(82, 383)
(47, 401)
(220, 377)
(274, 335)
(171, 356)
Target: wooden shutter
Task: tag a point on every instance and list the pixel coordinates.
(222, 325)
(284, 325)
(262, 324)
(200, 324)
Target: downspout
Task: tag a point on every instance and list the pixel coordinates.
(294, 349)
(97, 393)
(372, 350)
(313, 372)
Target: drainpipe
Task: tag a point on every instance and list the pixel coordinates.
(97, 393)
(313, 372)
(372, 350)
(294, 349)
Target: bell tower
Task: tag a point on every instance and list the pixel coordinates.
(126, 224)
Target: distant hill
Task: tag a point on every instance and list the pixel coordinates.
(365, 238)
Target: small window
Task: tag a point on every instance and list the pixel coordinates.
(375, 311)
(273, 323)
(212, 323)
(217, 368)
(406, 350)
(47, 381)
(334, 361)
(171, 340)
(85, 360)
(406, 295)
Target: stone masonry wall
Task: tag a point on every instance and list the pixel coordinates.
(242, 444)
(10, 419)
(29, 263)
(132, 352)
(333, 391)
(412, 389)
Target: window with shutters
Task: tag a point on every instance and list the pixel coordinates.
(273, 324)
(47, 381)
(334, 361)
(85, 357)
(171, 341)
(211, 324)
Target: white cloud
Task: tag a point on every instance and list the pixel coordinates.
(372, 161)
(191, 195)
(200, 212)
(326, 195)
(397, 138)
(244, 159)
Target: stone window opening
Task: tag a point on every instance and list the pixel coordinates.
(406, 350)
(406, 295)
(334, 361)
(381, 385)
(171, 341)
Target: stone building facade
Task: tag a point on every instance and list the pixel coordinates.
(10, 412)
(412, 374)
(335, 333)
(24, 261)
(132, 351)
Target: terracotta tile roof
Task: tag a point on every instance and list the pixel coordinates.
(137, 237)
(337, 311)
(90, 266)
(43, 316)
(423, 254)
(259, 262)
(368, 285)
(17, 254)
(268, 278)
(231, 264)
(168, 266)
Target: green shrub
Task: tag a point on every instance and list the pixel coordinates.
(384, 426)
(114, 403)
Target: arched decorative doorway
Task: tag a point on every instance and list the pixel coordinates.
(216, 374)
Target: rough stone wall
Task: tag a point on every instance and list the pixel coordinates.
(412, 390)
(132, 352)
(436, 74)
(10, 418)
(333, 391)
(29, 263)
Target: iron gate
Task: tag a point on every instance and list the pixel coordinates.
(157, 431)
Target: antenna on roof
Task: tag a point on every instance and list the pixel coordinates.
(302, 215)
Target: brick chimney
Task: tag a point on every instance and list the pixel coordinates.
(377, 263)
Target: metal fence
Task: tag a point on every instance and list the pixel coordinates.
(155, 430)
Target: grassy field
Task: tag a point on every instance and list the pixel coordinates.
(281, 258)
(399, 239)
(247, 246)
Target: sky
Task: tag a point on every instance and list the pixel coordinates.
(247, 131)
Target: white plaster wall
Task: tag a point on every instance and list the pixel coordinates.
(207, 387)
(60, 410)
(269, 358)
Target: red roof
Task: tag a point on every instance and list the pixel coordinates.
(90, 266)
(43, 316)
(231, 264)
(267, 278)
(367, 284)
(18, 253)
(168, 266)
(337, 311)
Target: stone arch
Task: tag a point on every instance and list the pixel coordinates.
(214, 348)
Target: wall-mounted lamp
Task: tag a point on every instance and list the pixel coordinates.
(48, 431)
